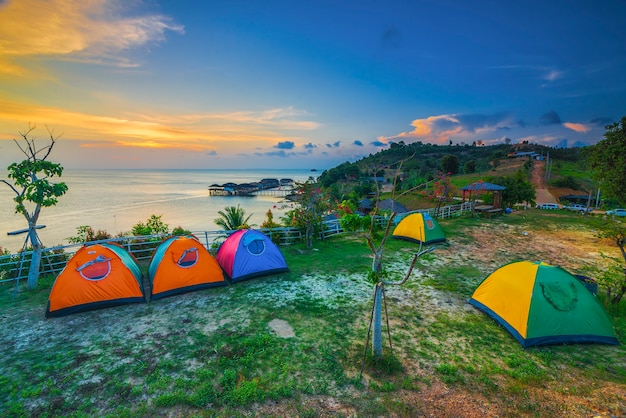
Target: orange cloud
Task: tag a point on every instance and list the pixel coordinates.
(577, 127)
(436, 129)
(192, 132)
(82, 30)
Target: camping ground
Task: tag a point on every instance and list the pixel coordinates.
(292, 344)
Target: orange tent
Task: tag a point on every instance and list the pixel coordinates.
(97, 276)
(182, 264)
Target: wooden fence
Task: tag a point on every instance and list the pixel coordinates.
(14, 267)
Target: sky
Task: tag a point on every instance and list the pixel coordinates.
(302, 84)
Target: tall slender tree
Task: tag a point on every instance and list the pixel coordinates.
(34, 190)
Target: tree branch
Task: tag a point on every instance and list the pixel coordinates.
(408, 274)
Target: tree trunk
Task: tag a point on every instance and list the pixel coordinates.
(35, 262)
(308, 236)
(377, 334)
(377, 262)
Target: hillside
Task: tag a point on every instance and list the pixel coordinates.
(422, 164)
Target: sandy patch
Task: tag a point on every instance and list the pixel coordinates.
(282, 328)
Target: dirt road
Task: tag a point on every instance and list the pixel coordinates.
(543, 195)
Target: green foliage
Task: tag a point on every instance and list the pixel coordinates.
(36, 189)
(376, 277)
(607, 159)
(469, 167)
(85, 233)
(311, 205)
(450, 164)
(342, 172)
(269, 221)
(179, 230)
(567, 182)
(153, 226)
(355, 222)
(518, 188)
(613, 277)
(232, 218)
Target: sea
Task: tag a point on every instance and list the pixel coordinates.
(116, 200)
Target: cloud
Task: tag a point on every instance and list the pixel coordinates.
(310, 146)
(358, 143)
(285, 145)
(333, 145)
(550, 118)
(77, 30)
(283, 118)
(212, 153)
(378, 144)
(577, 127)
(280, 153)
(460, 127)
(553, 75)
(151, 129)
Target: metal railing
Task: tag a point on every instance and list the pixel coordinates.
(15, 266)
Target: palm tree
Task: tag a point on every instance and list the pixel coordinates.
(232, 218)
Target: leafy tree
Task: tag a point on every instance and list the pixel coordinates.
(607, 160)
(518, 189)
(312, 203)
(179, 230)
(34, 190)
(613, 278)
(85, 233)
(232, 218)
(153, 226)
(469, 167)
(450, 164)
(269, 222)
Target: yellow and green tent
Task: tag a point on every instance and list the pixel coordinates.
(541, 304)
(419, 227)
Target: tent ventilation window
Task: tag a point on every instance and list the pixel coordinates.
(189, 258)
(562, 297)
(256, 247)
(96, 269)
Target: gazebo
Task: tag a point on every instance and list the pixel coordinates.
(482, 187)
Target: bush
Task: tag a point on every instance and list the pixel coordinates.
(568, 182)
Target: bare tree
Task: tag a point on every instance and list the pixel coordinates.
(377, 274)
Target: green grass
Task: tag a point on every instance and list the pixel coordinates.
(211, 353)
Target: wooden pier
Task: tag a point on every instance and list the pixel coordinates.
(265, 187)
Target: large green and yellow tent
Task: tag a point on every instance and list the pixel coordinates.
(419, 227)
(541, 304)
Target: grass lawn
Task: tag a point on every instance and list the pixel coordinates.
(217, 352)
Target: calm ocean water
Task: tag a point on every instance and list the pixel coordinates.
(115, 200)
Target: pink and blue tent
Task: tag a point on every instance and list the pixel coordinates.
(248, 253)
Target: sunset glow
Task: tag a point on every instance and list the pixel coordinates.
(179, 83)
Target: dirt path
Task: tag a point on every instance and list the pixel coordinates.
(543, 195)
